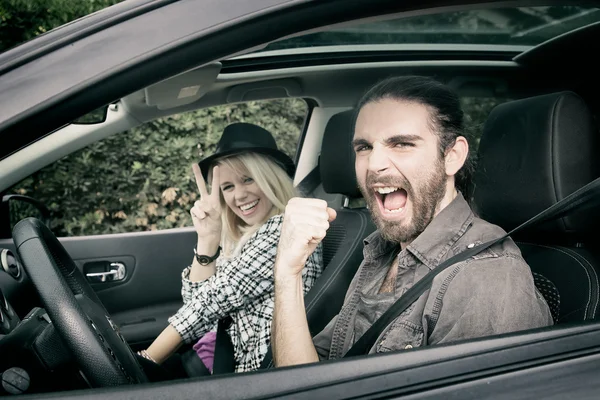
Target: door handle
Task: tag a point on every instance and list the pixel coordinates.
(117, 272)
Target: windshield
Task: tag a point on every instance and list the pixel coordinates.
(528, 26)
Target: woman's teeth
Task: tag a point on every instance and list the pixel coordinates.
(248, 206)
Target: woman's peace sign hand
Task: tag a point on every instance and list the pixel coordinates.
(206, 213)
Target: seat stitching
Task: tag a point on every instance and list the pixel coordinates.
(595, 276)
(339, 268)
(582, 266)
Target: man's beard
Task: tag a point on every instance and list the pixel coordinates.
(425, 199)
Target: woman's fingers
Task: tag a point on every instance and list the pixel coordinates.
(205, 208)
(197, 214)
(200, 181)
(216, 185)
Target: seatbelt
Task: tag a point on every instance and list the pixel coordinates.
(310, 182)
(224, 361)
(579, 198)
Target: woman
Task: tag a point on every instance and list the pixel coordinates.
(238, 226)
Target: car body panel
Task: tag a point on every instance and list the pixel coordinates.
(46, 92)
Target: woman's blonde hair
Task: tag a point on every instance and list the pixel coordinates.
(274, 182)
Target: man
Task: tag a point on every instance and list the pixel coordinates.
(410, 156)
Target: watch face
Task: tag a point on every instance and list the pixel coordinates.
(204, 260)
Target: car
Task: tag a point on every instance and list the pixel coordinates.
(71, 318)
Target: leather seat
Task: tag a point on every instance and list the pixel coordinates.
(533, 153)
(343, 245)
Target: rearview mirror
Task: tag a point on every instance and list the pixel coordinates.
(15, 207)
(97, 116)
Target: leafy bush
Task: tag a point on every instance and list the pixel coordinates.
(22, 20)
(141, 179)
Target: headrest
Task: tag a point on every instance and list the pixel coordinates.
(533, 153)
(337, 156)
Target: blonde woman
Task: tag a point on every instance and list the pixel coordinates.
(238, 223)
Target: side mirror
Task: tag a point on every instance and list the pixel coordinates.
(15, 207)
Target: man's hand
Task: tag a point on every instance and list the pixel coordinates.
(305, 224)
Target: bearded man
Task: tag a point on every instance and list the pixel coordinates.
(410, 166)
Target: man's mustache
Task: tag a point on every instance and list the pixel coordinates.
(395, 181)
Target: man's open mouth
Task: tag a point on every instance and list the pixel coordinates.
(391, 199)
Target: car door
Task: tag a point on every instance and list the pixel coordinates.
(120, 206)
(543, 363)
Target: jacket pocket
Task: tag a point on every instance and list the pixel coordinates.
(401, 335)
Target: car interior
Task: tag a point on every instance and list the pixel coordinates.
(534, 146)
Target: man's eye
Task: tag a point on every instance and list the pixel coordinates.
(404, 144)
(362, 148)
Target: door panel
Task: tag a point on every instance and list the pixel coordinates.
(151, 289)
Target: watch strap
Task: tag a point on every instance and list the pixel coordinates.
(204, 259)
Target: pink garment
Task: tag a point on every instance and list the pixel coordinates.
(205, 348)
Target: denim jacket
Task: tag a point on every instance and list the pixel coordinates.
(488, 294)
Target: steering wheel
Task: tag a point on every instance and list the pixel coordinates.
(103, 355)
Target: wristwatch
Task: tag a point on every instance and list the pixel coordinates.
(205, 260)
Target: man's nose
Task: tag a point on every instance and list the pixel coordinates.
(379, 160)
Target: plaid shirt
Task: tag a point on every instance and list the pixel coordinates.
(243, 288)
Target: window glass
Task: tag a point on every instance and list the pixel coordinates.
(524, 26)
(476, 111)
(141, 179)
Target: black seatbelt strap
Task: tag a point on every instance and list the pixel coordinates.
(224, 362)
(310, 182)
(578, 199)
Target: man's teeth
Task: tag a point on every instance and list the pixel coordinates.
(397, 210)
(248, 206)
(386, 190)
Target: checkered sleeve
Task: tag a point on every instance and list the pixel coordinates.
(187, 286)
(237, 282)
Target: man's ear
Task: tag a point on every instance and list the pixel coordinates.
(456, 156)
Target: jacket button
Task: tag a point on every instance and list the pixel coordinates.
(408, 346)
(470, 245)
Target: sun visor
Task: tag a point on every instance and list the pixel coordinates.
(182, 89)
(278, 88)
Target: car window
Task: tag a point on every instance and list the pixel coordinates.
(141, 179)
(476, 111)
(525, 26)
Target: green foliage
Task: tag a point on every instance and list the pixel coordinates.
(141, 179)
(22, 20)
(476, 111)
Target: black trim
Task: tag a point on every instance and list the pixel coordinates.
(411, 371)
(564, 51)
(353, 57)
